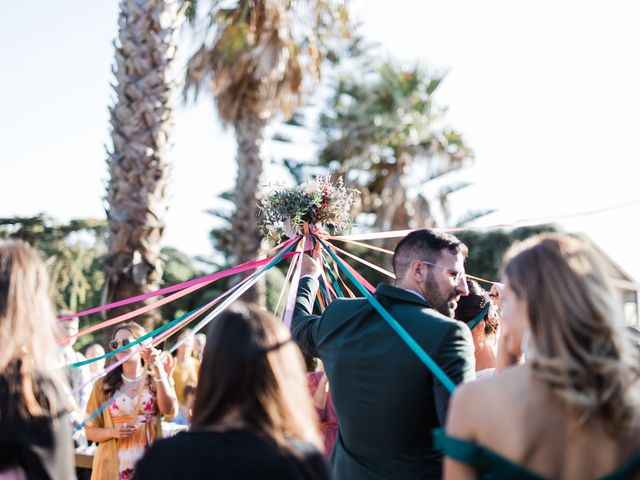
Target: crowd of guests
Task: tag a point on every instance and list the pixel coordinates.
(547, 379)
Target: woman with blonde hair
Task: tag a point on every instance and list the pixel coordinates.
(35, 429)
(253, 416)
(570, 412)
(138, 395)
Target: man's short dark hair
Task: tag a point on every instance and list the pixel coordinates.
(425, 245)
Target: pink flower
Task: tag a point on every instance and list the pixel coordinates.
(149, 405)
(126, 474)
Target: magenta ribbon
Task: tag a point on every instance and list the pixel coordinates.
(173, 288)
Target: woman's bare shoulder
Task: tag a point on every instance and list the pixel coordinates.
(510, 381)
(475, 403)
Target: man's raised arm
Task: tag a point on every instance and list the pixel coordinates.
(305, 324)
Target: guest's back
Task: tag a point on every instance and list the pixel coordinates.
(231, 455)
(381, 389)
(253, 416)
(386, 399)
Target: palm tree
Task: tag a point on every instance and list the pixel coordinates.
(384, 133)
(140, 127)
(255, 67)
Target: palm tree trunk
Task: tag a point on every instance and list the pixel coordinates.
(249, 128)
(140, 126)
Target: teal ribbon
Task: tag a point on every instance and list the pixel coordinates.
(478, 318)
(136, 341)
(393, 323)
(324, 289)
(101, 408)
(333, 279)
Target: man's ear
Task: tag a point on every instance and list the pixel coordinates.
(417, 270)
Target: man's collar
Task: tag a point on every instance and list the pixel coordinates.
(414, 292)
(401, 294)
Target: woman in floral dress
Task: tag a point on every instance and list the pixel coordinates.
(138, 398)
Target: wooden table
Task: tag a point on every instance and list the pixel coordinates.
(84, 461)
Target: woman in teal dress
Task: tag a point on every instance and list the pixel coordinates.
(571, 411)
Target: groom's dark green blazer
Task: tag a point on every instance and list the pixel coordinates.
(387, 400)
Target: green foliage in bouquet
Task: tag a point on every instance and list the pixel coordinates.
(285, 210)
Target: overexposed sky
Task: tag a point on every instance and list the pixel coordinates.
(545, 92)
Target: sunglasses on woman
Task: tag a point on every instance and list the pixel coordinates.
(116, 344)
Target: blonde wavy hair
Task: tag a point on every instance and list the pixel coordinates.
(28, 328)
(582, 350)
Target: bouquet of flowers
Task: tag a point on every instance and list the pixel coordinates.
(285, 210)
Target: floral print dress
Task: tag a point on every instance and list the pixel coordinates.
(141, 411)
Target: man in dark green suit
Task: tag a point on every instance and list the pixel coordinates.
(386, 399)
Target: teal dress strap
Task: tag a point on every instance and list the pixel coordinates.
(626, 470)
(489, 465)
(492, 466)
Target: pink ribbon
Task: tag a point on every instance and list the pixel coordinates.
(293, 291)
(170, 298)
(172, 288)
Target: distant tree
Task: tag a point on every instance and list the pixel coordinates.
(73, 253)
(487, 249)
(179, 267)
(486, 252)
(384, 132)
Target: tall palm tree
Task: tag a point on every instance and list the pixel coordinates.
(140, 127)
(384, 133)
(255, 67)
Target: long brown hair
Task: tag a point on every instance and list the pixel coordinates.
(113, 379)
(28, 330)
(250, 364)
(581, 348)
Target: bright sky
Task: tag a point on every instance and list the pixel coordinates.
(546, 93)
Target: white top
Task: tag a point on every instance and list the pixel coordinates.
(484, 373)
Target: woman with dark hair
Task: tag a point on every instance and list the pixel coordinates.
(572, 411)
(35, 429)
(131, 421)
(481, 315)
(253, 417)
